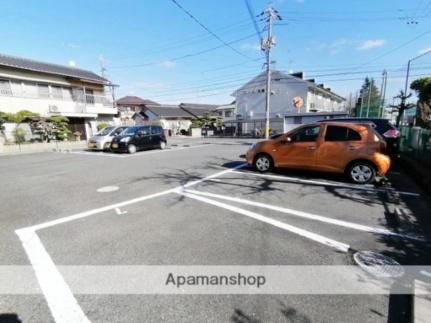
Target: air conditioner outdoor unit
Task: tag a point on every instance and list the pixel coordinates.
(53, 108)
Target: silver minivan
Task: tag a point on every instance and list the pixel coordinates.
(102, 140)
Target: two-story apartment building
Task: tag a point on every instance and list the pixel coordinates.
(294, 100)
(50, 89)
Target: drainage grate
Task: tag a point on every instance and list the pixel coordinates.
(378, 265)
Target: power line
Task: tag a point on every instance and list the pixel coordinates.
(253, 19)
(183, 56)
(208, 30)
(172, 45)
(183, 99)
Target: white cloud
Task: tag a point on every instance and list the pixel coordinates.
(71, 45)
(168, 64)
(250, 46)
(333, 47)
(72, 63)
(371, 43)
(423, 51)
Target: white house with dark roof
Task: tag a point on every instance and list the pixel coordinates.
(51, 89)
(129, 105)
(294, 101)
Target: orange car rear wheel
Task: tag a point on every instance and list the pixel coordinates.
(361, 172)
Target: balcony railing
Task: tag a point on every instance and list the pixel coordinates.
(88, 99)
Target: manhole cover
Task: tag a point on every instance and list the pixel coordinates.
(378, 264)
(107, 189)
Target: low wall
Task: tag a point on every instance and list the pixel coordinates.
(41, 147)
(196, 132)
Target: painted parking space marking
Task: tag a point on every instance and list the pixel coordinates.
(61, 301)
(107, 189)
(301, 232)
(307, 215)
(138, 154)
(366, 188)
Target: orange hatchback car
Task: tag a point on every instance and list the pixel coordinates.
(354, 149)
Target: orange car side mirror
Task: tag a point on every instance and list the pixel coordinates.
(288, 140)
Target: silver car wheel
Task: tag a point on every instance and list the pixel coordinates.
(361, 173)
(162, 145)
(263, 164)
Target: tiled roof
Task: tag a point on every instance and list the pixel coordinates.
(168, 111)
(135, 100)
(36, 66)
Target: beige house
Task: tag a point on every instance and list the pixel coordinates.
(51, 89)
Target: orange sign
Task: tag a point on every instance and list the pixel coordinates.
(298, 102)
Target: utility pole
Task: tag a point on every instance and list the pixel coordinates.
(369, 97)
(269, 16)
(383, 92)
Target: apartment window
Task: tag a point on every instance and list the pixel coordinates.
(5, 88)
(57, 92)
(43, 90)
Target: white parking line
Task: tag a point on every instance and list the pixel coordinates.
(366, 187)
(60, 299)
(141, 153)
(306, 215)
(301, 232)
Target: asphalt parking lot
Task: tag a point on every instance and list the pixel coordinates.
(196, 204)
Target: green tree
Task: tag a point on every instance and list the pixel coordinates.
(422, 87)
(3, 119)
(19, 135)
(369, 93)
(20, 116)
(59, 127)
(101, 126)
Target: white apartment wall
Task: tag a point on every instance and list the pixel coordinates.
(251, 104)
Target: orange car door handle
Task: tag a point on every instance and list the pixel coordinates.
(311, 148)
(351, 148)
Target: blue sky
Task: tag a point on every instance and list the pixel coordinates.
(143, 43)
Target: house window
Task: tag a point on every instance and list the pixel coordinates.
(67, 93)
(228, 114)
(89, 96)
(30, 89)
(57, 92)
(43, 90)
(297, 120)
(5, 88)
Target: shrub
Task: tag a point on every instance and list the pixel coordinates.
(20, 116)
(59, 125)
(101, 126)
(19, 135)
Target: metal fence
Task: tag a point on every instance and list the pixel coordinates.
(415, 142)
